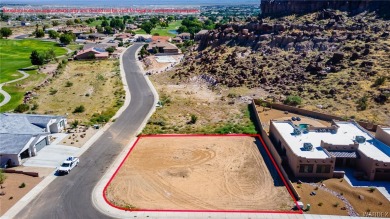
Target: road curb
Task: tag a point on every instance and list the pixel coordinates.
(26, 199)
(97, 194)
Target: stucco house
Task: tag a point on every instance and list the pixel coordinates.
(24, 135)
(92, 53)
(324, 152)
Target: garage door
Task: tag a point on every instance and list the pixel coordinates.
(40, 144)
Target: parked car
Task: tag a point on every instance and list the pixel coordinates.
(68, 165)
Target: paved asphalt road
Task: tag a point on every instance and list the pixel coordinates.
(71, 196)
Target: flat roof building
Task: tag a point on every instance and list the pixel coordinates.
(383, 134)
(318, 151)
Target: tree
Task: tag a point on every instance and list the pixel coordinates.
(147, 27)
(53, 34)
(55, 23)
(99, 29)
(69, 23)
(170, 19)
(45, 27)
(104, 23)
(182, 29)
(108, 30)
(37, 58)
(5, 32)
(110, 50)
(39, 33)
(50, 54)
(154, 21)
(67, 38)
(77, 21)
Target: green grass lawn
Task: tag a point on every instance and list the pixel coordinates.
(14, 55)
(74, 46)
(174, 25)
(96, 22)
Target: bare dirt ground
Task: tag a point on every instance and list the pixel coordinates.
(197, 173)
(266, 114)
(96, 85)
(12, 191)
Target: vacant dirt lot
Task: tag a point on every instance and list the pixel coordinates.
(197, 173)
(12, 191)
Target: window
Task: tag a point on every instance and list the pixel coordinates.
(306, 168)
(323, 169)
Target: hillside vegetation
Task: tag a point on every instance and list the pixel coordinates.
(328, 61)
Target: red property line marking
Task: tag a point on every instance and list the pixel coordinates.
(200, 211)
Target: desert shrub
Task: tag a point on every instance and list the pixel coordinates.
(165, 99)
(21, 108)
(293, 100)
(79, 109)
(35, 106)
(22, 185)
(379, 81)
(336, 204)
(104, 116)
(68, 84)
(372, 189)
(362, 103)
(2, 177)
(320, 204)
(74, 124)
(248, 128)
(232, 95)
(194, 118)
(53, 91)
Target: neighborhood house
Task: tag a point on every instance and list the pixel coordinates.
(24, 135)
(324, 152)
(92, 53)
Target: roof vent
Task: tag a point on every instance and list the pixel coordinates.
(297, 131)
(307, 146)
(360, 139)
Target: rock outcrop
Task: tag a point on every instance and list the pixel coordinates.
(275, 8)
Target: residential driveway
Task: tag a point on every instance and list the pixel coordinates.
(51, 156)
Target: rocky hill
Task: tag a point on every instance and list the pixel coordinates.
(334, 61)
(276, 8)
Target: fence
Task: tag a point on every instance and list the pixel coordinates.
(272, 149)
(34, 174)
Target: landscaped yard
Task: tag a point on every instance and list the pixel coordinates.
(174, 25)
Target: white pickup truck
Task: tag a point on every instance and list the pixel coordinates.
(68, 165)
